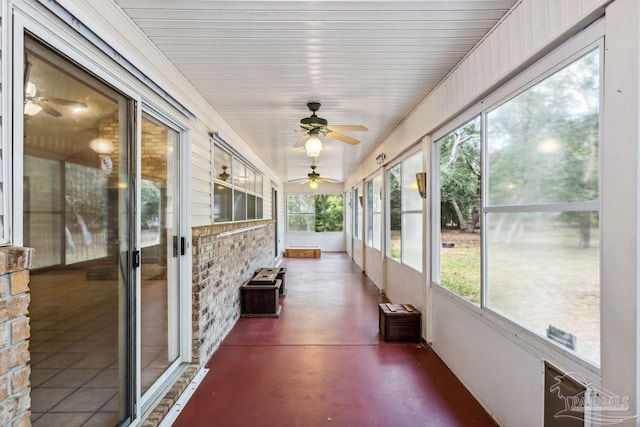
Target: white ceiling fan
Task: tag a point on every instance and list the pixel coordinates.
(34, 102)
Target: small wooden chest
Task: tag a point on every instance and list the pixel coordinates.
(260, 300)
(280, 273)
(399, 322)
(302, 252)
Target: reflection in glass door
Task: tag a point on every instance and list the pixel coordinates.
(161, 249)
(77, 216)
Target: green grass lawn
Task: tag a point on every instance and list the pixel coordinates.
(460, 271)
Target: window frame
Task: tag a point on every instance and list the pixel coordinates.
(371, 212)
(589, 40)
(417, 151)
(358, 215)
(250, 170)
(313, 196)
(312, 214)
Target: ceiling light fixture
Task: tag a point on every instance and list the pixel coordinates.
(101, 146)
(313, 146)
(313, 184)
(31, 109)
(31, 90)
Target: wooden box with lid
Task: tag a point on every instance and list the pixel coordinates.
(399, 322)
(260, 295)
(303, 252)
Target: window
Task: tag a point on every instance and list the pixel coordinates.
(223, 189)
(539, 215)
(395, 212)
(315, 213)
(460, 191)
(349, 203)
(357, 208)
(405, 212)
(542, 207)
(237, 188)
(374, 212)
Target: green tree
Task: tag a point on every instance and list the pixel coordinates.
(543, 145)
(460, 175)
(329, 212)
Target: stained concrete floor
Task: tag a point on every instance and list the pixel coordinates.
(322, 363)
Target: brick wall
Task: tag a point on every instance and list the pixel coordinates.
(224, 257)
(15, 400)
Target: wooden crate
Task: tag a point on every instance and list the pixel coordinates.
(399, 322)
(280, 274)
(302, 252)
(260, 300)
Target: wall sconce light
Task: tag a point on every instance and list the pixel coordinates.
(421, 180)
(380, 158)
(361, 200)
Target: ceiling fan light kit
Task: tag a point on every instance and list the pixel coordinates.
(314, 126)
(313, 178)
(34, 102)
(313, 146)
(31, 109)
(101, 146)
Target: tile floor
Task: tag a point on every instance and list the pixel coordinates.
(75, 375)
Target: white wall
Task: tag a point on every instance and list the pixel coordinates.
(474, 352)
(358, 253)
(404, 285)
(373, 260)
(327, 242)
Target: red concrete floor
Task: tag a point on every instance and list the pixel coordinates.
(322, 363)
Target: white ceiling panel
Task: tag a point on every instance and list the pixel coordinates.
(368, 62)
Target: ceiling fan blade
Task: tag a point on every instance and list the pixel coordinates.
(349, 128)
(343, 138)
(328, 179)
(298, 179)
(301, 141)
(66, 102)
(49, 109)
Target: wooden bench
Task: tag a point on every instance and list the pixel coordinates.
(302, 252)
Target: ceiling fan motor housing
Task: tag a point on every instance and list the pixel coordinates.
(314, 121)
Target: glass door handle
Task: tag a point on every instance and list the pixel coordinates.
(183, 246)
(136, 259)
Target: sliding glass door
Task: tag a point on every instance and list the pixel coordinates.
(78, 214)
(162, 247)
